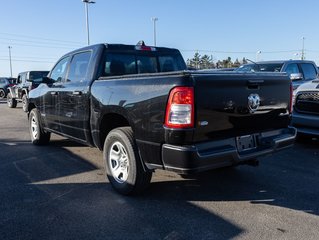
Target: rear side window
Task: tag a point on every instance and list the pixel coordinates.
(78, 67)
(309, 71)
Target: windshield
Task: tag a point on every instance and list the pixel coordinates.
(264, 67)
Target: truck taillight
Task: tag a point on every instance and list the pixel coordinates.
(180, 108)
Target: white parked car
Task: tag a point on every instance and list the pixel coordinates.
(305, 116)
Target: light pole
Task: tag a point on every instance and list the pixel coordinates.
(257, 55)
(87, 2)
(303, 49)
(10, 60)
(154, 19)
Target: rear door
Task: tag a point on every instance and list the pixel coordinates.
(74, 109)
(229, 105)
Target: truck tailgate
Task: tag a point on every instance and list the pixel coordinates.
(234, 104)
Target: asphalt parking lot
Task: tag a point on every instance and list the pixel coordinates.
(59, 191)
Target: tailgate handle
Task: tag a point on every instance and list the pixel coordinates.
(254, 84)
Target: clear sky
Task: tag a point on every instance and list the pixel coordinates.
(40, 31)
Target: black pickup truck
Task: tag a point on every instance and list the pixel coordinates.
(142, 107)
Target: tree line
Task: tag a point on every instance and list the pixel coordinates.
(206, 62)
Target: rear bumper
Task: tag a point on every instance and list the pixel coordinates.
(221, 153)
(306, 123)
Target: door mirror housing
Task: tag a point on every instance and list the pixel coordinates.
(296, 76)
(47, 80)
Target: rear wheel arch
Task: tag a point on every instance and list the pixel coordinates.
(109, 122)
(30, 107)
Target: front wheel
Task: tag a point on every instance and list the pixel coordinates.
(25, 103)
(12, 102)
(38, 135)
(124, 167)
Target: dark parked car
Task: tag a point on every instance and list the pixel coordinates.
(25, 82)
(5, 83)
(300, 71)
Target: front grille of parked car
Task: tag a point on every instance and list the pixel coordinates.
(307, 102)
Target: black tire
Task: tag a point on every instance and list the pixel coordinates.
(2, 93)
(12, 102)
(126, 174)
(37, 134)
(25, 103)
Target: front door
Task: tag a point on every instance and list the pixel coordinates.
(50, 105)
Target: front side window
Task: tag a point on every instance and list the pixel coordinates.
(78, 67)
(59, 71)
(292, 68)
(309, 71)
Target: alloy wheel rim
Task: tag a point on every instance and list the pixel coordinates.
(2, 93)
(34, 127)
(119, 162)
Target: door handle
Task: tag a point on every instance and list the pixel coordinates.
(77, 93)
(54, 93)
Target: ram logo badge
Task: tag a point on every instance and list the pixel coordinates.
(253, 102)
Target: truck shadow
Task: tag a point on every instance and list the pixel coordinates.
(53, 191)
(287, 179)
(50, 192)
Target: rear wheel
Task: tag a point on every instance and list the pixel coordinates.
(124, 168)
(25, 103)
(38, 135)
(2, 94)
(12, 102)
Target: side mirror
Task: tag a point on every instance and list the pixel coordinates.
(296, 76)
(47, 80)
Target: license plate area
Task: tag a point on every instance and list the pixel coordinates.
(245, 143)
